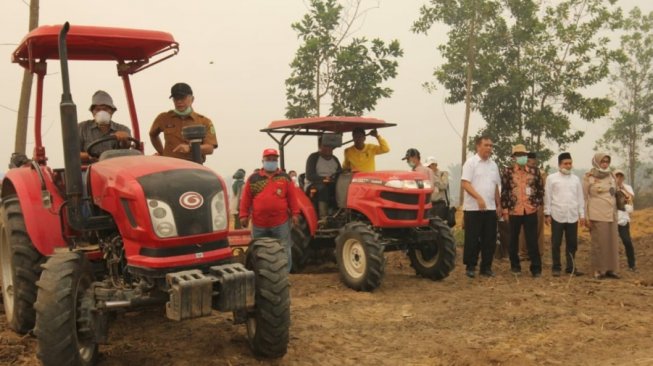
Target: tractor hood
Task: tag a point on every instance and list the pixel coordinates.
(390, 177)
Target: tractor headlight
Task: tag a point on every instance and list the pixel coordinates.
(427, 184)
(403, 184)
(162, 218)
(219, 212)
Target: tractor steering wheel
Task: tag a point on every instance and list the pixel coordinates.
(134, 144)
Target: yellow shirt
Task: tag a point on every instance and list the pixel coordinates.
(363, 160)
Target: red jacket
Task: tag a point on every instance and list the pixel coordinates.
(271, 199)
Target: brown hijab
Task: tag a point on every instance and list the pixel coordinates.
(596, 166)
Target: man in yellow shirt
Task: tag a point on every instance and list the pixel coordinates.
(360, 157)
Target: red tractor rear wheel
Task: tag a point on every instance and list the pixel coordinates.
(268, 324)
(301, 241)
(21, 268)
(360, 257)
(435, 260)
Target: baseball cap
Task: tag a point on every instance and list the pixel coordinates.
(180, 90)
(270, 152)
(619, 171)
(430, 160)
(411, 153)
(102, 98)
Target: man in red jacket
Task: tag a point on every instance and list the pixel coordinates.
(269, 196)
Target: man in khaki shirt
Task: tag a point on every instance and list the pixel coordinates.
(172, 122)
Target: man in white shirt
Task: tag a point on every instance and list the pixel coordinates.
(625, 195)
(481, 206)
(564, 206)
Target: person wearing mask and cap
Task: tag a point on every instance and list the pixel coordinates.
(269, 199)
(361, 156)
(599, 189)
(440, 197)
(625, 195)
(564, 208)
(413, 159)
(522, 192)
(172, 122)
(101, 126)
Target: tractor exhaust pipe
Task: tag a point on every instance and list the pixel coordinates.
(71, 144)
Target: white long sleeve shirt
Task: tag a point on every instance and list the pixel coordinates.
(563, 198)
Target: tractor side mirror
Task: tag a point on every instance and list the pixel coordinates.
(195, 134)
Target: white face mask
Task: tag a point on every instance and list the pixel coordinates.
(565, 171)
(102, 117)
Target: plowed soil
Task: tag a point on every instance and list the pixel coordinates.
(504, 320)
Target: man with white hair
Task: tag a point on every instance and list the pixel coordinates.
(439, 199)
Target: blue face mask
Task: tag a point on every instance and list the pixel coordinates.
(270, 166)
(185, 112)
(521, 160)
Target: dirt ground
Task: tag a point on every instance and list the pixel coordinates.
(412, 321)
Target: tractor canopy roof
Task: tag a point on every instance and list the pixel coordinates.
(325, 124)
(123, 45)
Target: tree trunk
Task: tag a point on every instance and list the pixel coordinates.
(26, 89)
(471, 60)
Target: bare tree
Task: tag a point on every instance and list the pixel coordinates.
(26, 89)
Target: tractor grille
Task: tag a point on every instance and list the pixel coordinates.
(184, 249)
(404, 198)
(396, 214)
(169, 186)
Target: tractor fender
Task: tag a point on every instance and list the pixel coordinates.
(42, 223)
(307, 209)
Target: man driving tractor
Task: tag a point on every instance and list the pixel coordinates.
(101, 126)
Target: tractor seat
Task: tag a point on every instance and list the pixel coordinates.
(117, 153)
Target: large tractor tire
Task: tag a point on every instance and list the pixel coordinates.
(64, 319)
(360, 258)
(435, 260)
(268, 325)
(21, 268)
(300, 237)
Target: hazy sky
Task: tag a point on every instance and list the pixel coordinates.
(235, 55)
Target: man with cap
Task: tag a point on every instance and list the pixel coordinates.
(440, 197)
(172, 122)
(360, 157)
(101, 126)
(625, 195)
(269, 198)
(564, 207)
(413, 159)
(522, 192)
(481, 206)
(322, 168)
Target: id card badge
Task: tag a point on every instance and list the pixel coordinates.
(528, 191)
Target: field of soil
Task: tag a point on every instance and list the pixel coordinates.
(504, 320)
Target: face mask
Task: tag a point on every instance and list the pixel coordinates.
(185, 112)
(606, 170)
(411, 164)
(294, 179)
(102, 117)
(565, 171)
(270, 166)
(521, 160)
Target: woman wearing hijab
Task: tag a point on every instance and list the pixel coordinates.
(599, 187)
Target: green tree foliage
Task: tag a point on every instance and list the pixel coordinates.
(539, 63)
(633, 84)
(349, 76)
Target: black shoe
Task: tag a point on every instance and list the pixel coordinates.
(516, 271)
(633, 269)
(487, 273)
(575, 273)
(555, 273)
(470, 273)
(537, 275)
(610, 274)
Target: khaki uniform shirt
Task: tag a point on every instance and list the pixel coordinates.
(171, 124)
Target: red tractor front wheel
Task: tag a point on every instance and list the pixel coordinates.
(360, 257)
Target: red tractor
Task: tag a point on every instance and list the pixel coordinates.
(373, 213)
(143, 230)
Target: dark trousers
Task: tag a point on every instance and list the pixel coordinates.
(624, 234)
(439, 209)
(480, 236)
(529, 222)
(571, 244)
